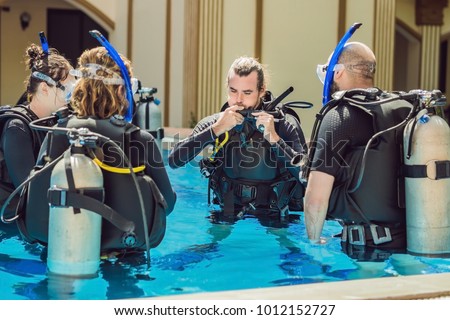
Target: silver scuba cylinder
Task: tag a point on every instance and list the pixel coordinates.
(148, 114)
(427, 194)
(74, 238)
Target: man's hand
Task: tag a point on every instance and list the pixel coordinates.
(228, 120)
(267, 122)
(321, 240)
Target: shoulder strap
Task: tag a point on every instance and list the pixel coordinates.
(315, 131)
(129, 129)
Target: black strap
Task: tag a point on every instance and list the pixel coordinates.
(71, 197)
(81, 200)
(127, 141)
(147, 115)
(156, 192)
(228, 201)
(158, 133)
(209, 191)
(69, 175)
(410, 142)
(421, 170)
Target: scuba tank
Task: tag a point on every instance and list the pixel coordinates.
(74, 234)
(427, 177)
(148, 113)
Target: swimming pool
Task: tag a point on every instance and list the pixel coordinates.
(199, 256)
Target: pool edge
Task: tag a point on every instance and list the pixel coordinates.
(414, 287)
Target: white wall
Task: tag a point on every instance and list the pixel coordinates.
(238, 33)
(149, 42)
(406, 12)
(112, 10)
(14, 41)
(118, 36)
(363, 12)
(176, 64)
(298, 35)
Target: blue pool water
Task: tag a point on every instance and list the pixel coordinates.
(200, 256)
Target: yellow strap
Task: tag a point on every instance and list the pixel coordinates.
(219, 145)
(117, 170)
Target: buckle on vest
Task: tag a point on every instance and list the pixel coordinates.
(377, 239)
(57, 197)
(355, 234)
(438, 169)
(245, 191)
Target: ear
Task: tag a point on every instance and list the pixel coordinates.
(338, 74)
(262, 92)
(44, 87)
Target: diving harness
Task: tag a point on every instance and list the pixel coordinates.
(223, 186)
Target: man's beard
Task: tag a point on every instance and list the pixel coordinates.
(334, 88)
(252, 106)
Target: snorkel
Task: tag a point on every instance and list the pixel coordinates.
(123, 70)
(334, 60)
(44, 42)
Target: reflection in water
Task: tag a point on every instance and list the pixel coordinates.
(123, 276)
(298, 266)
(201, 255)
(117, 279)
(7, 231)
(186, 258)
(56, 287)
(21, 267)
(404, 264)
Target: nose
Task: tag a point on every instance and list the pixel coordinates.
(240, 97)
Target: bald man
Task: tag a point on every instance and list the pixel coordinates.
(344, 131)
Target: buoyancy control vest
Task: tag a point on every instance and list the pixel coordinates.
(244, 174)
(247, 175)
(120, 191)
(367, 190)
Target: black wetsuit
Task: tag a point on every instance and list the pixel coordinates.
(281, 153)
(342, 137)
(19, 148)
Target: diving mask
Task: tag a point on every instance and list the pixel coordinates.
(91, 71)
(323, 68)
(66, 88)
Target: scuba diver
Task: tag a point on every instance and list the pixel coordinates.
(101, 104)
(47, 89)
(253, 168)
(361, 193)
